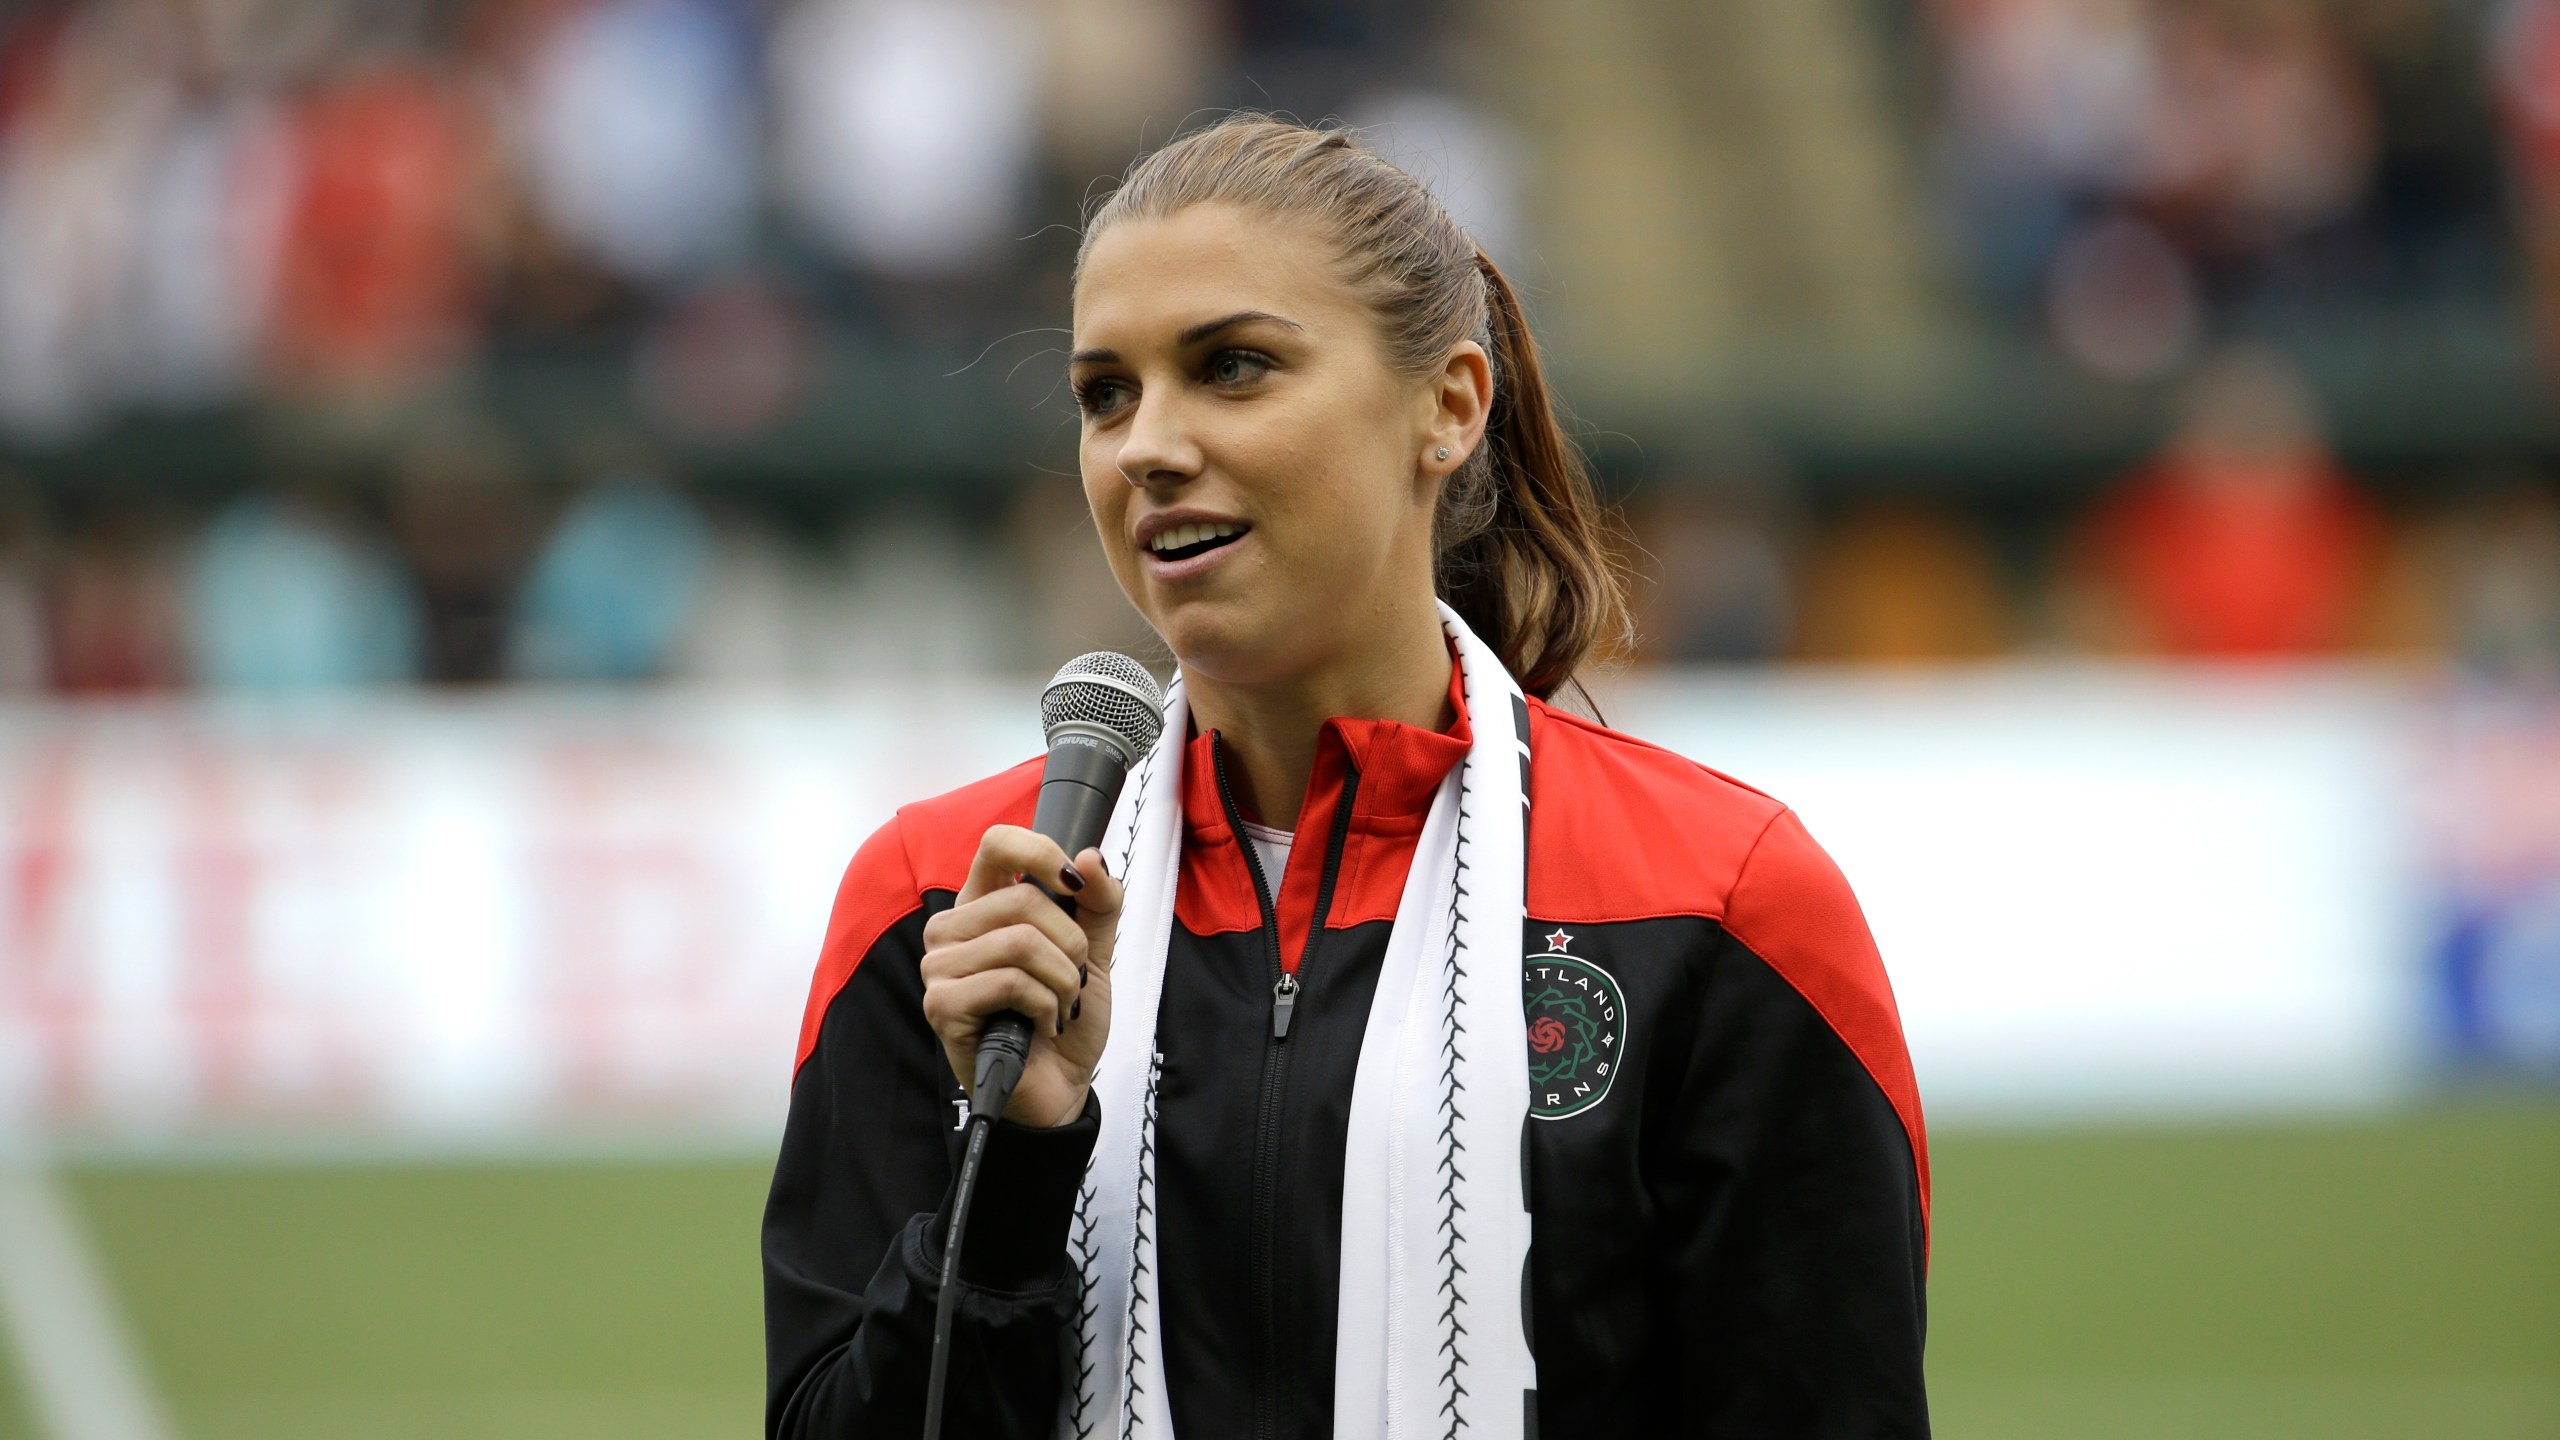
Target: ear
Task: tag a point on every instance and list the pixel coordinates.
(1457, 402)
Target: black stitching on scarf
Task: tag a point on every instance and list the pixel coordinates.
(1452, 1087)
(1139, 812)
(1081, 1255)
(1129, 1387)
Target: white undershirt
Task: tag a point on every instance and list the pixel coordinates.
(1273, 846)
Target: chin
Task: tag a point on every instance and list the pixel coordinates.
(1227, 643)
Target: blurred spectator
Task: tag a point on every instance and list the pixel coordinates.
(30, 38)
(896, 594)
(906, 127)
(2123, 301)
(22, 559)
(545, 286)
(2265, 124)
(464, 514)
(1313, 58)
(615, 588)
(2141, 166)
(1902, 581)
(730, 359)
(2506, 584)
(1120, 75)
(2242, 539)
(545, 281)
(2047, 100)
(639, 121)
(1717, 563)
(2486, 577)
(114, 603)
(127, 234)
(2525, 58)
(379, 281)
(758, 582)
(285, 595)
(1468, 158)
(209, 221)
(85, 118)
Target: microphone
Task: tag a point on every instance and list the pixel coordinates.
(1100, 713)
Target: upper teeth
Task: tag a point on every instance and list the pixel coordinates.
(1181, 535)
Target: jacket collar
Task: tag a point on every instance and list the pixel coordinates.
(1400, 767)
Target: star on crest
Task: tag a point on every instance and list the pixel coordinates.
(1557, 941)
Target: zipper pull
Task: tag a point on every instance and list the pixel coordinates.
(1284, 1003)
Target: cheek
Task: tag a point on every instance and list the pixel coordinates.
(1094, 466)
(1328, 464)
(1107, 499)
(1099, 501)
(1354, 499)
(1343, 534)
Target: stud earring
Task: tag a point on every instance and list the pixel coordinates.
(1444, 452)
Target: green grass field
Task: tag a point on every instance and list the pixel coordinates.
(2379, 1279)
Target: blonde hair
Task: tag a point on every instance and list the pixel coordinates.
(1521, 539)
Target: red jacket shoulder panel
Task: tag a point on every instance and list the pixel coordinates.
(925, 846)
(1625, 830)
(943, 832)
(1793, 908)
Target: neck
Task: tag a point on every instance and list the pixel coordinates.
(1270, 729)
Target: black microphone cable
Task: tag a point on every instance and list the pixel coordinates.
(1002, 1050)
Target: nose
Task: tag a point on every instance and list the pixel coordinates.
(1157, 448)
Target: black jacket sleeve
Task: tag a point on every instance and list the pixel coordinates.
(853, 1227)
(1793, 1183)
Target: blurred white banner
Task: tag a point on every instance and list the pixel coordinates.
(2147, 891)
(463, 918)
(475, 919)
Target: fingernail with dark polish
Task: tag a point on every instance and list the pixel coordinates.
(1074, 881)
(1075, 1012)
(1084, 972)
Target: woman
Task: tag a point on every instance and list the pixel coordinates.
(1311, 415)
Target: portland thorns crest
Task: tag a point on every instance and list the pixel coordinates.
(1577, 1030)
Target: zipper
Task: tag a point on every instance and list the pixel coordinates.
(1280, 973)
(1285, 986)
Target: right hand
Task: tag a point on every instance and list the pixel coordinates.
(1003, 945)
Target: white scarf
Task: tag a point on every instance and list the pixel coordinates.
(1435, 1221)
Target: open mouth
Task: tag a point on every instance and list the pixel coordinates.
(1182, 542)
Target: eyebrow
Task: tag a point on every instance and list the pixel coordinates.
(1192, 336)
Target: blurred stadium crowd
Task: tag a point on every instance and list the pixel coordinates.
(336, 227)
(705, 352)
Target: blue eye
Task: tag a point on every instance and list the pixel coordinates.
(1099, 397)
(1237, 367)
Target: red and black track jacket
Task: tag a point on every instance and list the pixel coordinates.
(1729, 1183)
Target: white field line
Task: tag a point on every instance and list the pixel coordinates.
(76, 1365)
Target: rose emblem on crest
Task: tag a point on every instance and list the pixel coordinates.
(1577, 1032)
(1546, 1035)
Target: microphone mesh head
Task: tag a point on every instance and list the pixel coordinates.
(1105, 691)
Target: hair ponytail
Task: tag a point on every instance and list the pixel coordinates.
(1521, 535)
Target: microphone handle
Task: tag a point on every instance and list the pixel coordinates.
(1078, 786)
